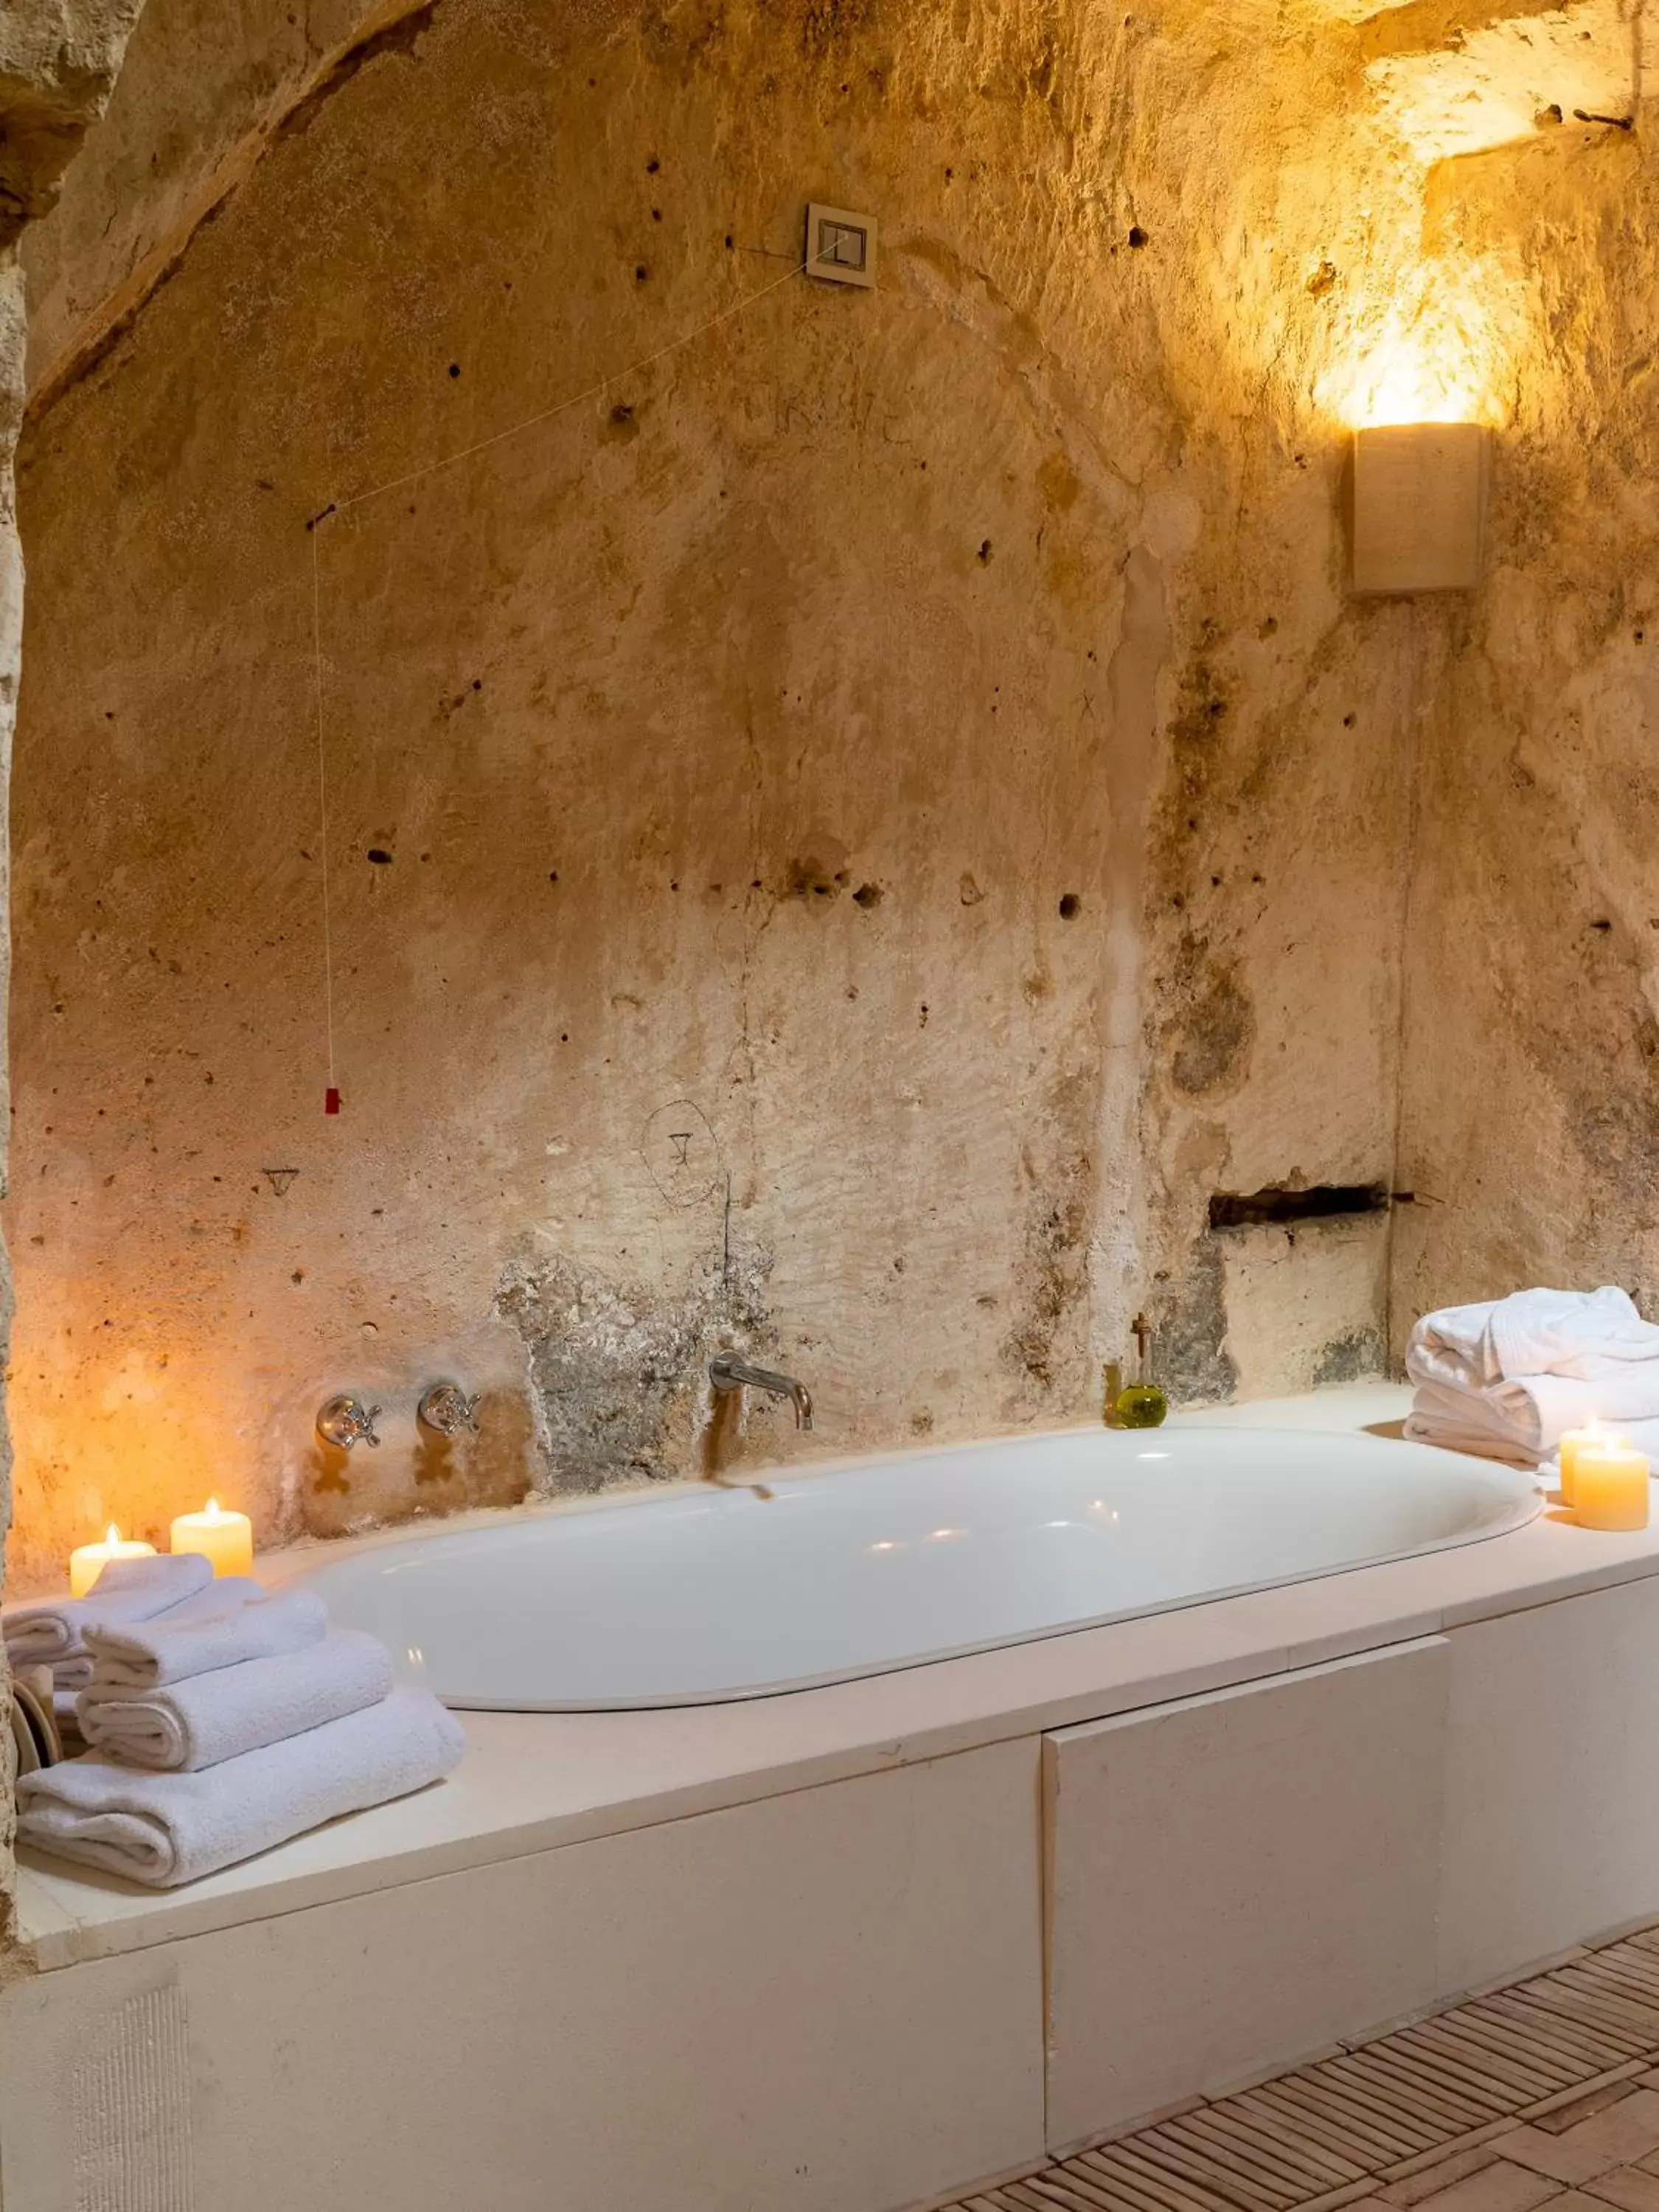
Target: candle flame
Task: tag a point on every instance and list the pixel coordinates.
(213, 1509)
(112, 1535)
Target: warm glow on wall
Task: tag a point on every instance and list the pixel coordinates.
(1439, 347)
(1397, 383)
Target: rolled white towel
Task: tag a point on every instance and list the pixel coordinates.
(195, 1723)
(50, 1629)
(164, 1829)
(178, 1646)
(1589, 1335)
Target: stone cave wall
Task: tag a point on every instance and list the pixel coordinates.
(842, 842)
(1530, 1126)
(57, 63)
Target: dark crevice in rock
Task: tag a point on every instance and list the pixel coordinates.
(1278, 1206)
(400, 38)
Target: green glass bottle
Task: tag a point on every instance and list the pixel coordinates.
(1143, 1405)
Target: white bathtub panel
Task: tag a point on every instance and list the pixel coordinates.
(1551, 1781)
(828, 2002)
(1239, 1879)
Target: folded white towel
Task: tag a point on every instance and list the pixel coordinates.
(1539, 1409)
(211, 1603)
(1461, 1420)
(1589, 1335)
(1644, 1435)
(127, 1590)
(163, 1829)
(1451, 1347)
(228, 1594)
(1525, 1420)
(178, 1645)
(196, 1722)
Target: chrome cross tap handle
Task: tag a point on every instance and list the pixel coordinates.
(445, 1407)
(344, 1422)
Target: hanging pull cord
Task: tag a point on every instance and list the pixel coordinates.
(331, 1095)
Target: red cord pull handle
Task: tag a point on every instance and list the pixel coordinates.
(330, 1100)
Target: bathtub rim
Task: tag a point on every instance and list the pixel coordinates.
(1526, 1509)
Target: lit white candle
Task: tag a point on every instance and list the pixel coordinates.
(226, 1539)
(1590, 1437)
(88, 1561)
(1610, 1485)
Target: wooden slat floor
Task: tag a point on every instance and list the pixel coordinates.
(1547, 2093)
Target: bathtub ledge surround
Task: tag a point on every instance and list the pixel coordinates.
(534, 1782)
(876, 1919)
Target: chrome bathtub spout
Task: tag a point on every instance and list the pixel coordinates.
(730, 1373)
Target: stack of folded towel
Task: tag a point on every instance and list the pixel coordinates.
(1509, 1379)
(220, 1722)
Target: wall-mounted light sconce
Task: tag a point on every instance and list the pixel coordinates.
(1419, 494)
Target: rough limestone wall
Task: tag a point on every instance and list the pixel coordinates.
(57, 62)
(13, 339)
(841, 844)
(1533, 1021)
(199, 93)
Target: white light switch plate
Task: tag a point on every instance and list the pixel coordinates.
(841, 247)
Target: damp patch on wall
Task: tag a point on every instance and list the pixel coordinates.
(617, 1370)
(1189, 1330)
(342, 1493)
(1210, 1031)
(1355, 1356)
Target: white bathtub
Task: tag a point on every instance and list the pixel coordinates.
(711, 1596)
